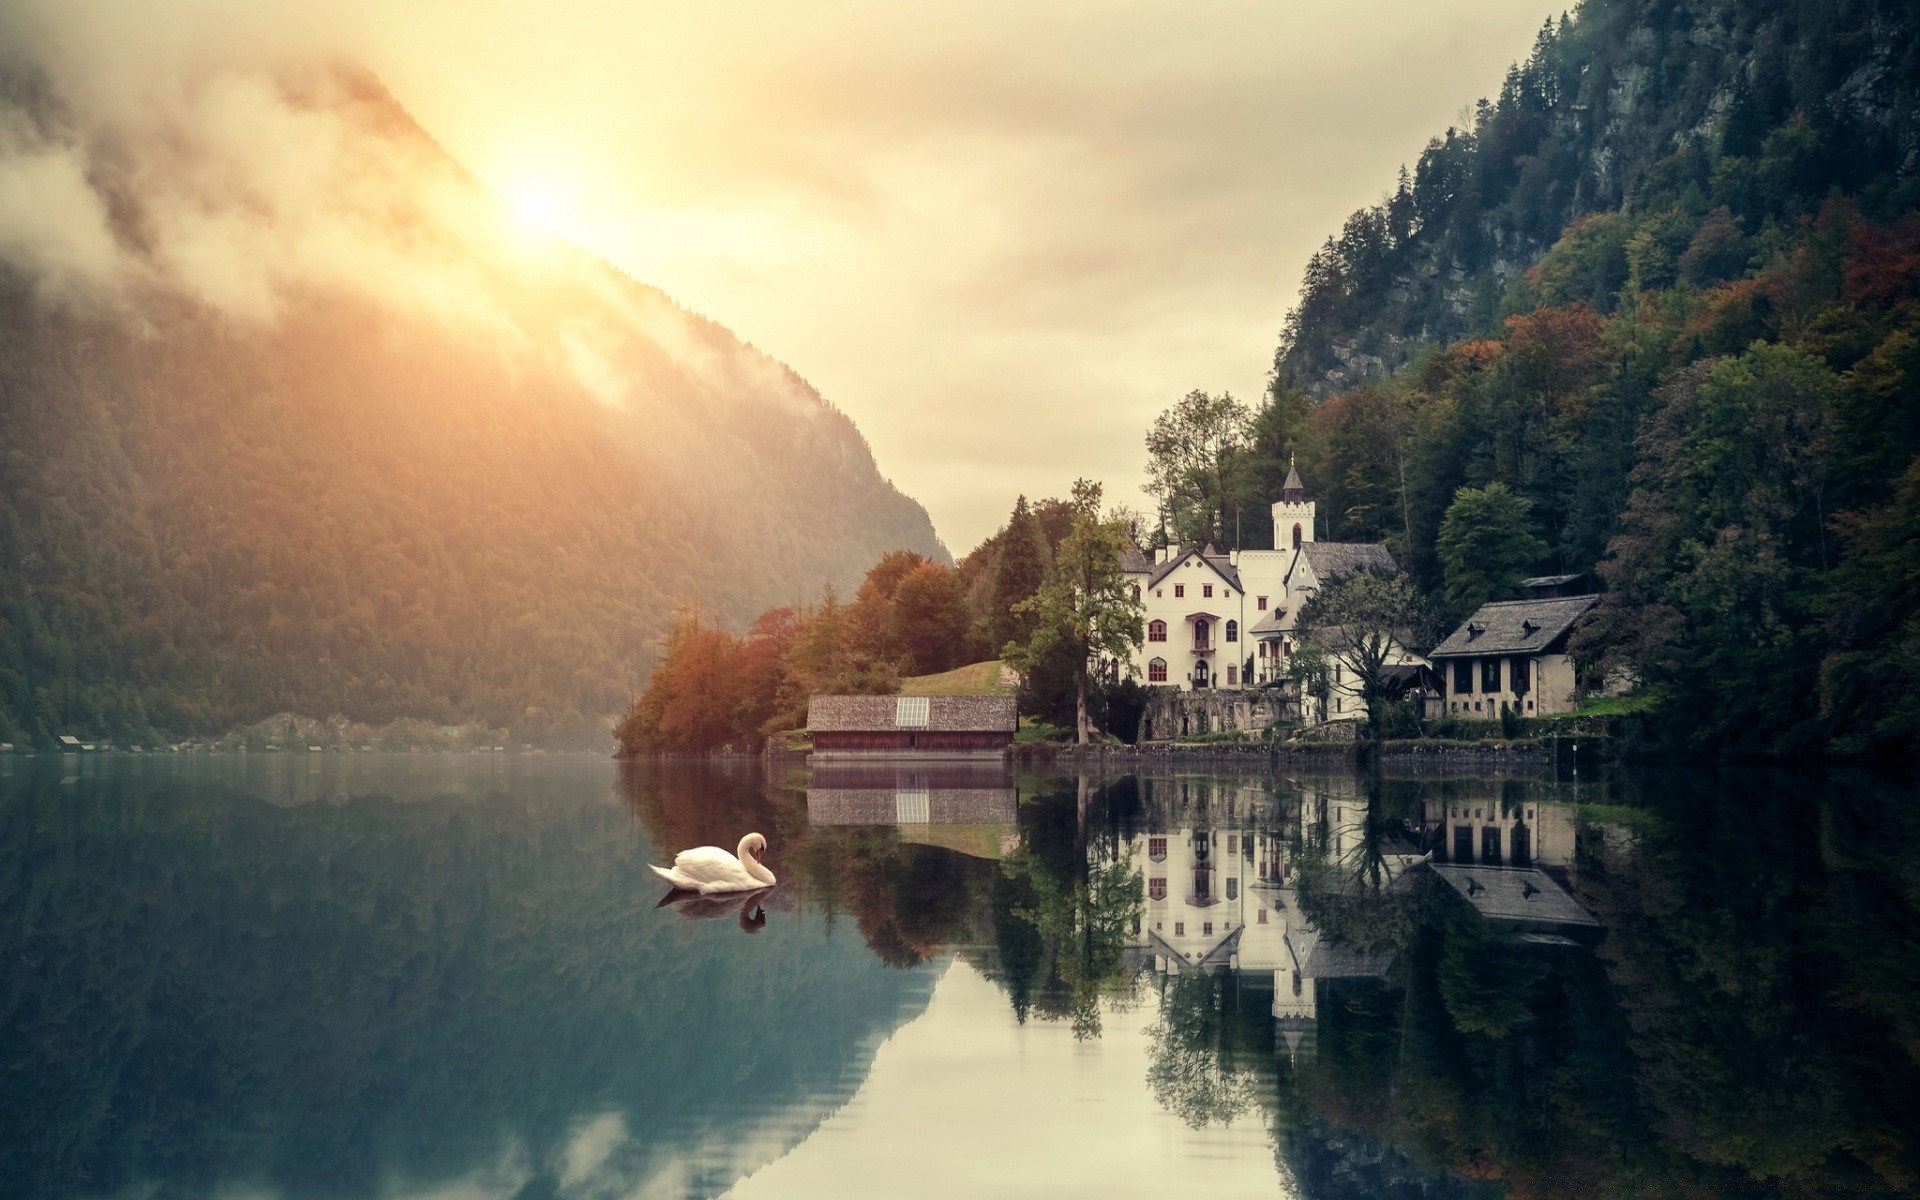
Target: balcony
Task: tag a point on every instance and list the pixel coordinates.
(1203, 647)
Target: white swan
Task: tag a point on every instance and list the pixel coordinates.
(709, 869)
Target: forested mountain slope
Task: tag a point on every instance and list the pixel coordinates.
(1656, 315)
(1634, 107)
(296, 420)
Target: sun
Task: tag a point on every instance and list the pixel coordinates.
(540, 204)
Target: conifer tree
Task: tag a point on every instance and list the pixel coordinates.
(1018, 572)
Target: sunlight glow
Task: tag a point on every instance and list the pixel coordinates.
(541, 204)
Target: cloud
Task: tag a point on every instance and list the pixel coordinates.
(1001, 240)
(53, 226)
(239, 172)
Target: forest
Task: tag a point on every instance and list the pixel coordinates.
(1656, 315)
(1653, 317)
(910, 617)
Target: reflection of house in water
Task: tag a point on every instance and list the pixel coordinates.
(1522, 897)
(1495, 831)
(966, 807)
(1217, 858)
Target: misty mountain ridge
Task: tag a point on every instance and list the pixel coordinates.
(297, 420)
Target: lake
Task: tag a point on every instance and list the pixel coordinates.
(454, 976)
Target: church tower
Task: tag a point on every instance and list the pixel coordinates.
(1292, 513)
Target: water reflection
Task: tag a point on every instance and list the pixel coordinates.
(388, 976)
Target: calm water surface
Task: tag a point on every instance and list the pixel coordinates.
(368, 976)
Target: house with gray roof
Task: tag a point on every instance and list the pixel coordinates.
(1511, 654)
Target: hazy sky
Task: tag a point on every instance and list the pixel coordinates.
(1002, 236)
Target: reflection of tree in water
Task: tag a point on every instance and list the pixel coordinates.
(1345, 876)
(1747, 1026)
(1765, 939)
(1072, 904)
(1207, 1049)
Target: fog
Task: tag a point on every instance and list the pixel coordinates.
(1000, 236)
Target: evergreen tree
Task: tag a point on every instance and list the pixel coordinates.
(1487, 546)
(1018, 571)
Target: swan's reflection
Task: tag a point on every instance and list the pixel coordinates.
(750, 906)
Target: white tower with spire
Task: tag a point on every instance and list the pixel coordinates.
(1292, 513)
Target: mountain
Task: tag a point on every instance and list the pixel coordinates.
(297, 420)
(1659, 306)
(1625, 106)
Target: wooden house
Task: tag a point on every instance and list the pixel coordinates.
(918, 726)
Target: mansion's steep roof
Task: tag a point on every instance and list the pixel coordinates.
(1133, 562)
(1219, 562)
(953, 714)
(1515, 626)
(1331, 560)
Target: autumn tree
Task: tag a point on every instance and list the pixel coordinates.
(1085, 610)
(693, 699)
(932, 624)
(873, 626)
(1487, 545)
(1198, 469)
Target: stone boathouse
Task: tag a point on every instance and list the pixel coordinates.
(917, 726)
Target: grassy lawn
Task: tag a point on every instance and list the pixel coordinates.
(1609, 706)
(977, 679)
(1032, 732)
(1618, 814)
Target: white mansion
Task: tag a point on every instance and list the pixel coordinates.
(1225, 620)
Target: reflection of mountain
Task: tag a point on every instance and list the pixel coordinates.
(327, 998)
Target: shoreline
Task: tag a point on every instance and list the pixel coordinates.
(1547, 755)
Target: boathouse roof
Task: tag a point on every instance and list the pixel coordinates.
(948, 714)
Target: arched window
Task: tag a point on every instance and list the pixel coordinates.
(1296, 535)
(1200, 631)
(1136, 591)
(1156, 631)
(1157, 670)
(1233, 631)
